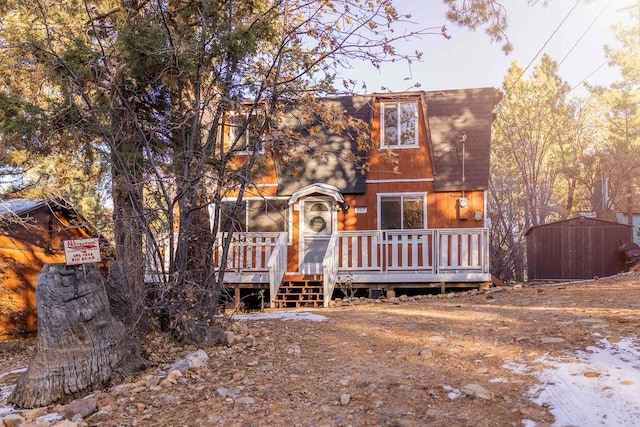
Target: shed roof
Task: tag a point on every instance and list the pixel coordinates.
(578, 222)
(21, 207)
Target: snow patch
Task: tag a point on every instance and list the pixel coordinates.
(599, 386)
(282, 315)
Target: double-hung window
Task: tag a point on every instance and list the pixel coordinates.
(246, 133)
(257, 215)
(399, 124)
(402, 211)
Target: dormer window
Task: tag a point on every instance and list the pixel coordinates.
(246, 133)
(399, 124)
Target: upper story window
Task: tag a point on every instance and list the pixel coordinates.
(403, 211)
(399, 124)
(246, 133)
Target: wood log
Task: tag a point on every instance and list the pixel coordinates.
(80, 346)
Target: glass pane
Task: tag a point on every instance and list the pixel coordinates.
(390, 124)
(253, 138)
(267, 215)
(237, 220)
(413, 215)
(408, 115)
(390, 213)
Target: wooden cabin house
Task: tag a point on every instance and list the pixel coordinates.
(31, 235)
(408, 211)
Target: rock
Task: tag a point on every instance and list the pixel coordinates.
(12, 420)
(197, 359)
(223, 392)
(36, 423)
(66, 423)
(244, 400)
(81, 407)
(32, 414)
(174, 375)
(403, 298)
(231, 338)
(393, 300)
(345, 398)
(476, 390)
(425, 352)
(549, 340)
(167, 398)
(267, 368)
(202, 334)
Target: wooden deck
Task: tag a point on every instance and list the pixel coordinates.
(374, 258)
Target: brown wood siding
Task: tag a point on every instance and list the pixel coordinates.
(23, 252)
(575, 249)
(411, 162)
(444, 210)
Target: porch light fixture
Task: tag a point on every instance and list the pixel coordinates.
(342, 207)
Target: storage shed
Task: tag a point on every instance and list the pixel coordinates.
(31, 235)
(578, 248)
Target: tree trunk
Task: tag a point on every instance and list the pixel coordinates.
(80, 346)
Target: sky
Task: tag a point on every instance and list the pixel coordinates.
(469, 59)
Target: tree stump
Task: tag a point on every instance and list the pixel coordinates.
(80, 346)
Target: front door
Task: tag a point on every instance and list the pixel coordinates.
(316, 226)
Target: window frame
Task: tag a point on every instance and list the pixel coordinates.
(402, 195)
(247, 219)
(397, 105)
(239, 120)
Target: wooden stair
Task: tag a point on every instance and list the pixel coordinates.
(300, 291)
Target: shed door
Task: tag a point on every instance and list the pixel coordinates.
(316, 226)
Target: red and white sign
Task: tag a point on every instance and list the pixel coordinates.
(82, 251)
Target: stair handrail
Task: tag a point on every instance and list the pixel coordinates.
(330, 268)
(277, 266)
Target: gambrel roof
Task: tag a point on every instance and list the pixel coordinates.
(452, 116)
(459, 124)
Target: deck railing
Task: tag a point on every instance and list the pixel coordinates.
(248, 251)
(277, 265)
(330, 269)
(366, 253)
(429, 250)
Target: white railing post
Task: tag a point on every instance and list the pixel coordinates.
(330, 268)
(277, 266)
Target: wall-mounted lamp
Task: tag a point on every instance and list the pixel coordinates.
(342, 207)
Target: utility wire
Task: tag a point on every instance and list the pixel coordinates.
(590, 74)
(542, 48)
(584, 33)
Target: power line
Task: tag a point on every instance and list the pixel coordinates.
(590, 74)
(585, 32)
(542, 48)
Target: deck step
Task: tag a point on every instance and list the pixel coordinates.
(300, 291)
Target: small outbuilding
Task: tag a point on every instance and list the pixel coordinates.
(32, 233)
(578, 248)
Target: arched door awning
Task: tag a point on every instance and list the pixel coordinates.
(318, 188)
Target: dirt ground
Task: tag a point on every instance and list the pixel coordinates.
(417, 361)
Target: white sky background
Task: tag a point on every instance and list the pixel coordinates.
(469, 59)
